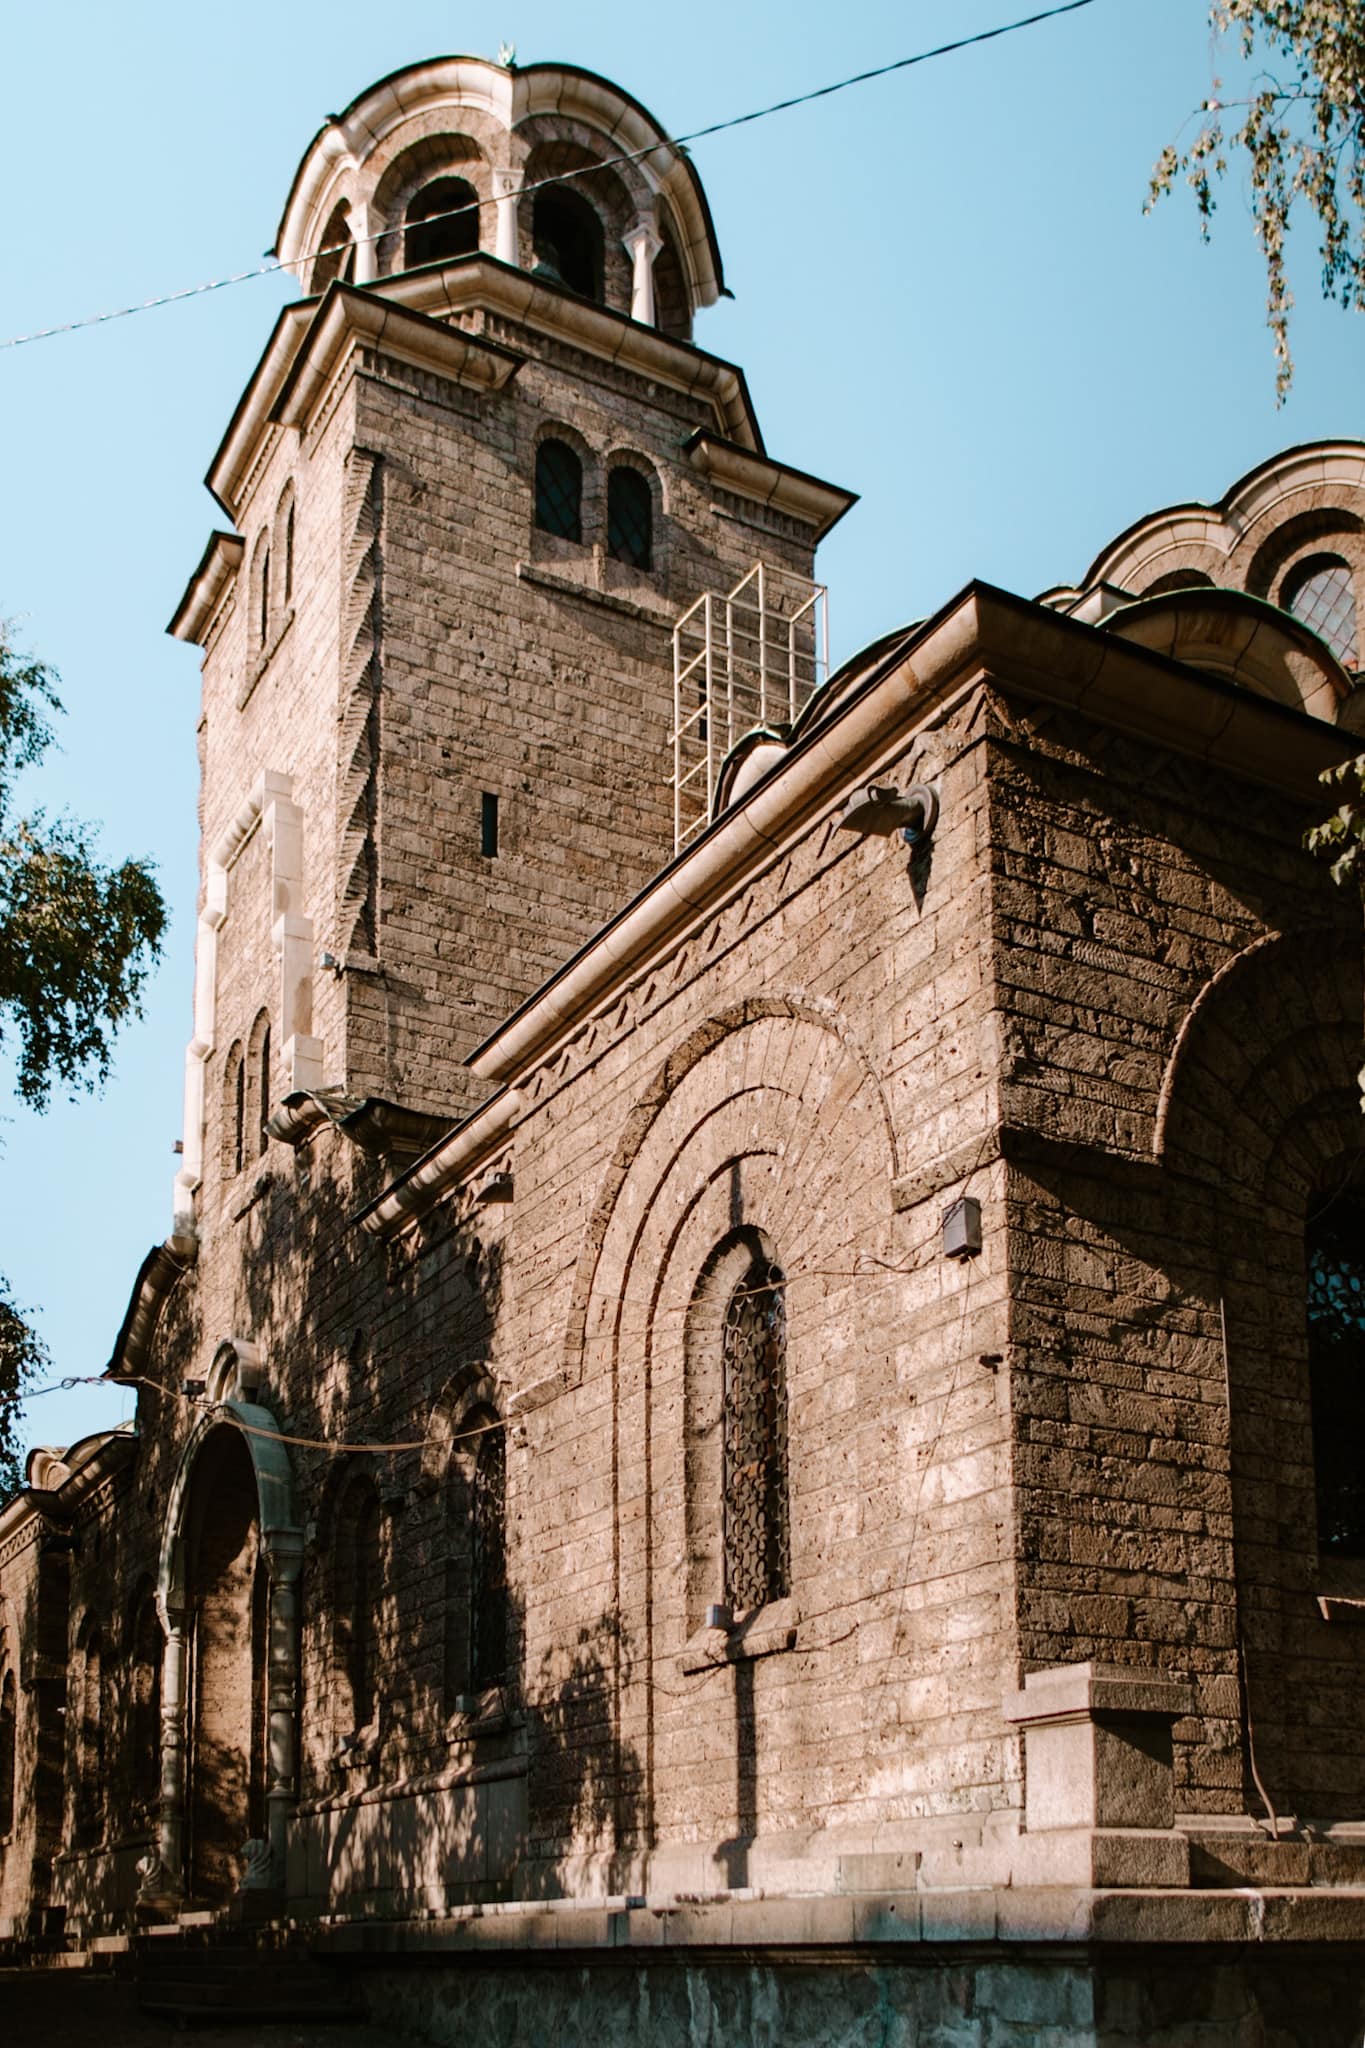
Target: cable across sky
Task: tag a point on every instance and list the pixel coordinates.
(271, 264)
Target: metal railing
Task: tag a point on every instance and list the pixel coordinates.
(752, 658)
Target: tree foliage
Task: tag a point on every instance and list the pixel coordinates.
(1300, 136)
(77, 941)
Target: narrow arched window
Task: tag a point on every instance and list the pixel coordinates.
(567, 237)
(488, 1603)
(559, 490)
(9, 1727)
(263, 600)
(234, 1111)
(90, 1743)
(288, 549)
(757, 1536)
(258, 1091)
(144, 1726)
(359, 1592)
(1335, 1243)
(630, 518)
(1321, 592)
(442, 220)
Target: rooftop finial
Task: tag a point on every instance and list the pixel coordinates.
(507, 56)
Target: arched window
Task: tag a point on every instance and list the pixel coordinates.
(488, 1606)
(336, 257)
(257, 1106)
(263, 600)
(559, 490)
(9, 1728)
(567, 237)
(144, 1721)
(630, 518)
(441, 221)
(282, 544)
(1335, 1243)
(1321, 592)
(234, 1111)
(757, 1535)
(358, 1594)
(90, 1743)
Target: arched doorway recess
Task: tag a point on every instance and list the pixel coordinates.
(231, 1555)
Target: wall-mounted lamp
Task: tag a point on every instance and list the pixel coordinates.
(882, 809)
(330, 964)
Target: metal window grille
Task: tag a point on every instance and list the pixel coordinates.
(1336, 1372)
(630, 518)
(754, 657)
(488, 1605)
(757, 1531)
(559, 491)
(1323, 596)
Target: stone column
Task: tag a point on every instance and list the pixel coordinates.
(161, 1885)
(366, 251)
(507, 184)
(285, 1558)
(642, 245)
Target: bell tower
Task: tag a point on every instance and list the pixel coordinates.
(479, 471)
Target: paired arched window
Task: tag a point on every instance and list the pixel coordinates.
(1321, 592)
(568, 242)
(9, 1752)
(757, 1528)
(441, 221)
(358, 1594)
(559, 490)
(630, 518)
(1335, 1245)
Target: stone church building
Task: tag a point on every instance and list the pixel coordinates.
(756, 1391)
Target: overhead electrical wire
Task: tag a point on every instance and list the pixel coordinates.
(272, 264)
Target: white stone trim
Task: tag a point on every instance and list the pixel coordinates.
(270, 806)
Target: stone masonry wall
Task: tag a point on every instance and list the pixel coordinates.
(1180, 998)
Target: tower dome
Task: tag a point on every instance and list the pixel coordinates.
(550, 170)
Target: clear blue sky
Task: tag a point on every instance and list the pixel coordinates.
(947, 298)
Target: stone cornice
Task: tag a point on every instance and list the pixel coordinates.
(409, 317)
(157, 1275)
(207, 587)
(481, 283)
(347, 315)
(774, 484)
(109, 1450)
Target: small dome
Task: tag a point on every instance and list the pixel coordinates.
(549, 168)
(1247, 641)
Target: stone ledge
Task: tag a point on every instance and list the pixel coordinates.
(612, 600)
(812, 1924)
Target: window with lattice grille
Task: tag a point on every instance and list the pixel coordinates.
(488, 1607)
(757, 1534)
(1321, 593)
(559, 490)
(630, 518)
(1336, 1371)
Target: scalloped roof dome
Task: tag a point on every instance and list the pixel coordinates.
(344, 161)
